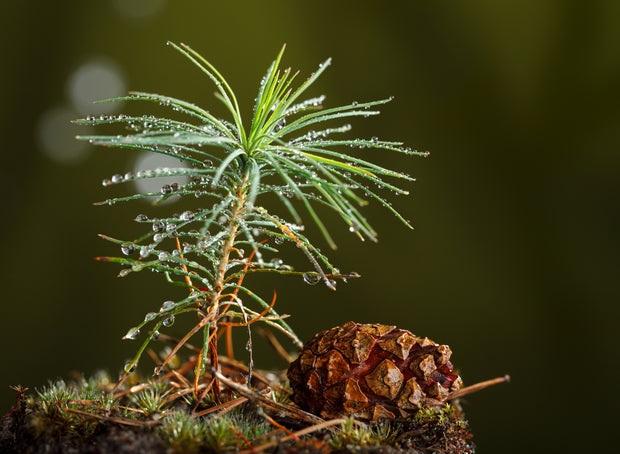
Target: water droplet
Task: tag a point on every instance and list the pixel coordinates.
(167, 305)
(155, 335)
(354, 103)
(142, 218)
(207, 163)
(144, 252)
(332, 283)
(157, 370)
(311, 279)
(106, 182)
(128, 248)
(129, 367)
(158, 226)
(174, 186)
(279, 125)
(278, 240)
(132, 334)
(222, 219)
(187, 216)
(163, 256)
(124, 272)
(169, 321)
(128, 176)
(117, 178)
(149, 316)
(277, 262)
(354, 274)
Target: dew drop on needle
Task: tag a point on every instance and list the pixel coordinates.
(132, 334)
(311, 279)
(128, 248)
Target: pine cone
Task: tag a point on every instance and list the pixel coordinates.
(371, 372)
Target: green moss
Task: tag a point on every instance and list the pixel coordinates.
(445, 415)
(77, 412)
(53, 411)
(150, 401)
(352, 434)
(181, 431)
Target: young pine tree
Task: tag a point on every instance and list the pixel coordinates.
(292, 148)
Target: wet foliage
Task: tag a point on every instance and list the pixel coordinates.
(292, 149)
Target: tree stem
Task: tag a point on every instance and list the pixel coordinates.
(227, 247)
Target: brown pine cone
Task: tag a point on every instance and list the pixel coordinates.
(371, 372)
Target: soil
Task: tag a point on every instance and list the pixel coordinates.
(16, 437)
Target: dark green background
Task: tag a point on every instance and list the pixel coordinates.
(514, 258)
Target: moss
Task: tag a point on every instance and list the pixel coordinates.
(352, 435)
(435, 430)
(82, 417)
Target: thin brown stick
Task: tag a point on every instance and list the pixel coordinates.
(178, 346)
(183, 392)
(245, 440)
(275, 344)
(299, 433)
(165, 377)
(116, 420)
(226, 407)
(258, 317)
(478, 387)
(171, 340)
(203, 393)
(156, 360)
(217, 393)
(274, 423)
(273, 405)
(230, 353)
(182, 379)
(120, 382)
(243, 369)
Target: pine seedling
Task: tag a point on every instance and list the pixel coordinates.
(292, 149)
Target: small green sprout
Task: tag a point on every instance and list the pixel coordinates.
(290, 150)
